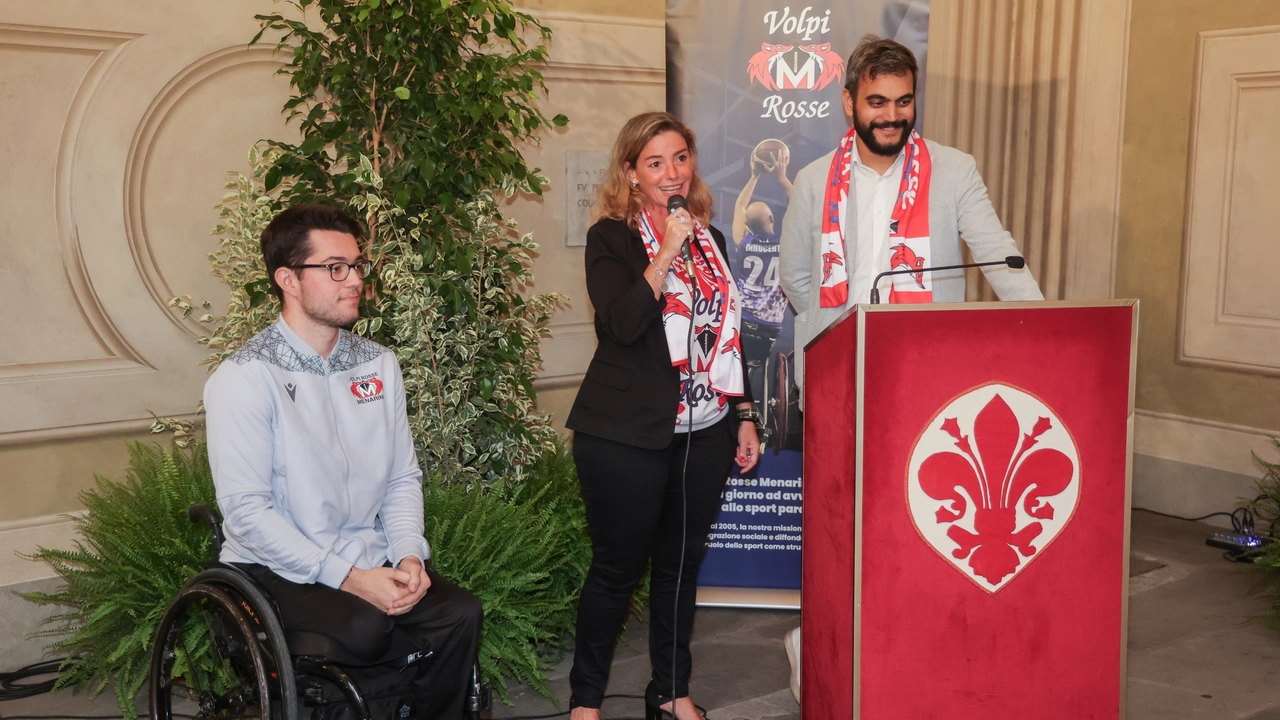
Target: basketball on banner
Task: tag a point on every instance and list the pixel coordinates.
(992, 481)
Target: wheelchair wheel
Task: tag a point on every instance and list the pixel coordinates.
(246, 635)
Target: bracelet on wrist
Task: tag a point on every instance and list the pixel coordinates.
(748, 415)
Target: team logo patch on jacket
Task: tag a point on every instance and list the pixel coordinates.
(366, 388)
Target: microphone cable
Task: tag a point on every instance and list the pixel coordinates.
(684, 487)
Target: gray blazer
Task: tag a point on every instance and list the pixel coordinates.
(958, 206)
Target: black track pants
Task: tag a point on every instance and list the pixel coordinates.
(447, 620)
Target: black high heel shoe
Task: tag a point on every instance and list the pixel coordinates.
(655, 712)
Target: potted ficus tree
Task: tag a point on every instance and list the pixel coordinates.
(411, 115)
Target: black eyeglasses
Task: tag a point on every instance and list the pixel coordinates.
(340, 270)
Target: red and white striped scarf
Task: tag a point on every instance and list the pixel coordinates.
(717, 374)
(908, 226)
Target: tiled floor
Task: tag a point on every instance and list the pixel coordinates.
(1193, 652)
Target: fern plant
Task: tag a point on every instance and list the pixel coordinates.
(524, 555)
(136, 550)
(1266, 510)
(520, 560)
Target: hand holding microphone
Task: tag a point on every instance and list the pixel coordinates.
(680, 225)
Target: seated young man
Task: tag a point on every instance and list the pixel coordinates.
(317, 477)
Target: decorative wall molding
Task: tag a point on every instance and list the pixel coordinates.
(566, 353)
(1229, 315)
(20, 537)
(137, 168)
(132, 426)
(1034, 90)
(112, 358)
(1207, 443)
(105, 48)
(605, 68)
(560, 16)
(587, 72)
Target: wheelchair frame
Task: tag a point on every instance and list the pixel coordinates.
(239, 600)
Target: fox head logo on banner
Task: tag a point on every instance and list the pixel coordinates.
(790, 60)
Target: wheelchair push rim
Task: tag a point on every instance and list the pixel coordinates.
(267, 689)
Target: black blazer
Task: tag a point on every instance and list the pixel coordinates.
(631, 390)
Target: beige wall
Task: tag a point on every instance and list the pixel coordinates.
(603, 69)
(1161, 105)
(124, 119)
(1034, 90)
(650, 9)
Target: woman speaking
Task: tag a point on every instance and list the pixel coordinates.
(661, 410)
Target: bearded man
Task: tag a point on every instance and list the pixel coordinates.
(886, 199)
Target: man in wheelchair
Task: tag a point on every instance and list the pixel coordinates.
(318, 481)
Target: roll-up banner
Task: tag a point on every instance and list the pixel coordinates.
(760, 83)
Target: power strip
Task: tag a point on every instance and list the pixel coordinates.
(1237, 543)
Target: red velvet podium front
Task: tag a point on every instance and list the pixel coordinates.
(966, 512)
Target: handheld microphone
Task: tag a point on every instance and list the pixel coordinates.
(1016, 262)
(677, 202)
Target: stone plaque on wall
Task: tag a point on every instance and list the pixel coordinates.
(584, 174)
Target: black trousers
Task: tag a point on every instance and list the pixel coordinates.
(635, 511)
(349, 630)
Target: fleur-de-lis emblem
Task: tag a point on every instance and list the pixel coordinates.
(992, 481)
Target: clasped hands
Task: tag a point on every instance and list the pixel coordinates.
(394, 591)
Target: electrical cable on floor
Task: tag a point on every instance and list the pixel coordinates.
(1247, 541)
(81, 717)
(12, 687)
(1242, 519)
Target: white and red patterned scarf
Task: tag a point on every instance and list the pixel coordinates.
(716, 317)
(908, 226)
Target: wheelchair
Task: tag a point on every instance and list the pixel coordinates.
(243, 623)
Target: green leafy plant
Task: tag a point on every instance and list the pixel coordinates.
(466, 341)
(1266, 511)
(433, 99)
(243, 214)
(524, 558)
(437, 95)
(136, 550)
(411, 114)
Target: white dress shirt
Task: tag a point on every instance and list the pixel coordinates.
(875, 195)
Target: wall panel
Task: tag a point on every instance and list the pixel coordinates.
(602, 71)
(125, 119)
(86, 287)
(1230, 305)
(1197, 233)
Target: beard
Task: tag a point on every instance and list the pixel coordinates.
(328, 312)
(867, 133)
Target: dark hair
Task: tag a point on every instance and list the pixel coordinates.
(286, 241)
(876, 56)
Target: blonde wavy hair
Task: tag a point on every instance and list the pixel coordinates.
(617, 199)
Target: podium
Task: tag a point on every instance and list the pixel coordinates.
(966, 511)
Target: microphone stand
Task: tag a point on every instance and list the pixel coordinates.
(1016, 262)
